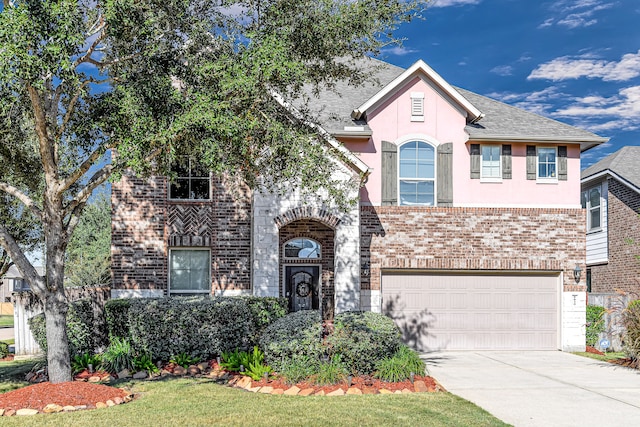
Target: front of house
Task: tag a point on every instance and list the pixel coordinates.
(468, 229)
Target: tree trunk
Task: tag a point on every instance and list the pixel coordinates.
(58, 359)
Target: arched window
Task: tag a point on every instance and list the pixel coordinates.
(416, 174)
(302, 248)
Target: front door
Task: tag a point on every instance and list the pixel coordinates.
(302, 287)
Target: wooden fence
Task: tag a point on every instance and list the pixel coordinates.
(614, 304)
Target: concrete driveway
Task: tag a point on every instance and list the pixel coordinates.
(541, 388)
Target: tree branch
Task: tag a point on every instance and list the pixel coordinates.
(83, 195)
(70, 109)
(20, 260)
(87, 56)
(47, 151)
(26, 200)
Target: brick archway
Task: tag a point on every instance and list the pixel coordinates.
(307, 213)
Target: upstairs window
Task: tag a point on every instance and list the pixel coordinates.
(591, 201)
(416, 174)
(547, 163)
(491, 162)
(193, 181)
(302, 248)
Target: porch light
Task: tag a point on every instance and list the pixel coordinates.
(365, 267)
(576, 273)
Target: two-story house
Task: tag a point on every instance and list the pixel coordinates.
(468, 232)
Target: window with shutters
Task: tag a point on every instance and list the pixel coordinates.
(547, 163)
(591, 201)
(417, 106)
(491, 167)
(416, 174)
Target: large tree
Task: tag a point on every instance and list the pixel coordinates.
(150, 79)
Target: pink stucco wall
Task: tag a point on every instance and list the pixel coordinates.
(444, 122)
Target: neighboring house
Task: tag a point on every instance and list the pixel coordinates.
(467, 232)
(11, 282)
(611, 196)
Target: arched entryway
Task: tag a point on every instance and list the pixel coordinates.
(306, 254)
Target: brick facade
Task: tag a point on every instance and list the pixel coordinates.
(513, 239)
(622, 272)
(145, 225)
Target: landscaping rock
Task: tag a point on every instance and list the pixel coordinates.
(164, 373)
(140, 375)
(193, 370)
(26, 412)
(406, 390)
(369, 390)
(1, 412)
(118, 400)
(179, 370)
(9, 413)
(101, 405)
(305, 392)
(110, 403)
(124, 374)
(338, 392)
(277, 391)
(203, 366)
(354, 390)
(420, 387)
(95, 379)
(319, 393)
(52, 408)
(253, 389)
(69, 408)
(266, 390)
(293, 391)
(80, 407)
(243, 382)
(385, 391)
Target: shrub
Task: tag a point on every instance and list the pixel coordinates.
(80, 326)
(251, 362)
(400, 366)
(117, 317)
(299, 368)
(631, 322)
(144, 362)
(265, 311)
(4, 349)
(80, 362)
(118, 356)
(362, 339)
(297, 334)
(595, 323)
(201, 327)
(184, 360)
(330, 372)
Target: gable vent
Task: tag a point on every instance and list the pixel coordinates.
(417, 106)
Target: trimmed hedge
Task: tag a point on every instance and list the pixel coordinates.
(200, 327)
(595, 324)
(80, 326)
(360, 338)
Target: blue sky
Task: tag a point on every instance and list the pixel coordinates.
(576, 61)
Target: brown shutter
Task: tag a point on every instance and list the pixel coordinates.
(531, 162)
(445, 175)
(389, 174)
(474, 150)
(506, 161)
(562, 163)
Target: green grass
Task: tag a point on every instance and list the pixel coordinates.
(12, 373)
(6, 321)
(606, 357)
(10, 341)
(189, 402)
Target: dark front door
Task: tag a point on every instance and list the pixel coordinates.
(302, 287)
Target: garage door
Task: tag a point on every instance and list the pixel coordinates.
(474, 312)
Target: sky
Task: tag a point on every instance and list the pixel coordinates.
(576, 61)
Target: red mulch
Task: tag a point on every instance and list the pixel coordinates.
(74, 393)
(594, 350)
(366, 384)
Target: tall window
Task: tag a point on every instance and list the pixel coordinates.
(547, 162)
(189, 271)
(491, 162)
(416, 174)
(302, 248)
(591, 201)
(192, 181)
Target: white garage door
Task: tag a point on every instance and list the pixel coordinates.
(474, 312)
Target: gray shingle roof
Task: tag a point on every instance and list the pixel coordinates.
(624, 163)
(332, 110)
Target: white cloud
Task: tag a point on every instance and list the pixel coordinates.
(447, 3)
(502, 70)
(399, 51)
(576, 13)
(566, 67)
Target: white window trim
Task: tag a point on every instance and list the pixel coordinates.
(589, 208)
(435, 171)
(546, 180)
(491, 178)
(417, 97)
(284, 256)
(191, 200)
(195, 292)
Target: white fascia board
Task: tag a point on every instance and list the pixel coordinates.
(533, 139)
(420, 66)
(609, 172)
(329, 139)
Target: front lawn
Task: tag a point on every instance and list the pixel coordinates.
(607, 357)
(12, 373)
(201, 402)
(6, 321)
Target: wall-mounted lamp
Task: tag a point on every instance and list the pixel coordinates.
(365, 268)
(576, 273)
